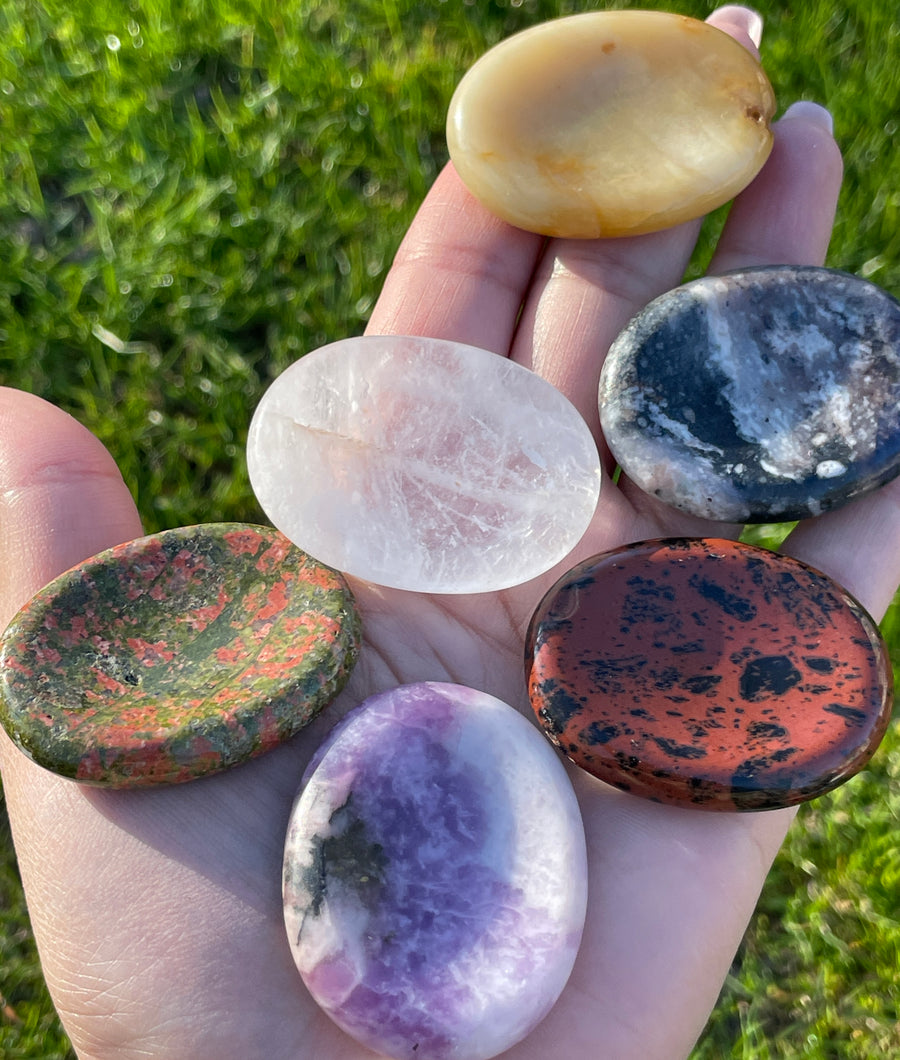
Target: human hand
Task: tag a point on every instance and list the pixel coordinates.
(158, 913)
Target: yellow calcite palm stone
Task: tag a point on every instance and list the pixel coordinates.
(610, 123)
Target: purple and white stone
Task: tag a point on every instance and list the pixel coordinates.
(762, 395)
(423, 464)
(435, 875)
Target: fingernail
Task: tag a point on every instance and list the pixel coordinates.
(811, 112)
(754, 26)
(752, 20)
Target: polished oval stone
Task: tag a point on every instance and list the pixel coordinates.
(760, 396)
(175, 655)
(435, 875)
(610, 123)
(422, 464)
(709, 673)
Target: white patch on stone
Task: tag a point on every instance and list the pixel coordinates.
(762, 394)
(703, 491)
(830, 469)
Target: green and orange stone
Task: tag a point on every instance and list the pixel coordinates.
(176, 655)
(709, 673)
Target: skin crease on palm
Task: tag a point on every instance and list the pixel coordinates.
(158, 913)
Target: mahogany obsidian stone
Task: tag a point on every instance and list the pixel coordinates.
(176, 655)
(708, 673)
(763, 395)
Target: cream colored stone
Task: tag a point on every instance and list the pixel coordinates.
(610, 123)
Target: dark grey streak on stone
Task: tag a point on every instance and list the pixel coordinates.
(763, 395)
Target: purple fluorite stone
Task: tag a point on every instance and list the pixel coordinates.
(435, 875)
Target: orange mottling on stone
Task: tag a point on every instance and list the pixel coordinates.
(274, 555)
(150, 653)
(277, 598)
(230, 655)
(110, 684)
(244, 542)
(201, 617)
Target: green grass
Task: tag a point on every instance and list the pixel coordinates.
(193, 194)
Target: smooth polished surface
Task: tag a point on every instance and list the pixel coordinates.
(610, 123)
(759, 396)
(435, 875)
(709, 673)
(175, 655)
(423, 464)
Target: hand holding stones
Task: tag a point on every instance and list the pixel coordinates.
(669, 889)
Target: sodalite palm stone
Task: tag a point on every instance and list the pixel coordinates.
(763, 395)
(435, 875)
(423, 464)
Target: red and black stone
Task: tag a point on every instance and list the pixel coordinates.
(708, 673)
(176, 655)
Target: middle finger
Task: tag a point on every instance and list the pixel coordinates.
(596, 286)
(584, 293)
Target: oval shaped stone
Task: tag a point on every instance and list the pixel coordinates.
(709, 673)
(423, 464)
(764, 395)
(435, 874)
(610, 123)
(175, 655)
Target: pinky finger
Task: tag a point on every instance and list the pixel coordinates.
(858, 545)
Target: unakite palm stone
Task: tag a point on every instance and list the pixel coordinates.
(175, 655)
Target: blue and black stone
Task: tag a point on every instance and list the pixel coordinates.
(763, 395)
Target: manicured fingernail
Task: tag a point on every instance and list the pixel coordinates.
(754, 25)
(751, 20)
(811, 112)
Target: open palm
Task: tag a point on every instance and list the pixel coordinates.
(158, 913)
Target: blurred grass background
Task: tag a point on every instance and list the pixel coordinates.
(195, 192)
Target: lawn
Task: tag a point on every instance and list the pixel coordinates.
(195, 193)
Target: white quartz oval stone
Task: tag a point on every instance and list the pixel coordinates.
(423, 464)
(435, 874)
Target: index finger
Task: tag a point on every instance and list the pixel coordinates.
(460, 273)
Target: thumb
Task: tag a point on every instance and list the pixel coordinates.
(62, 498)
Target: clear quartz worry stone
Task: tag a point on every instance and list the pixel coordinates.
(423, 464)
(435, 875)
